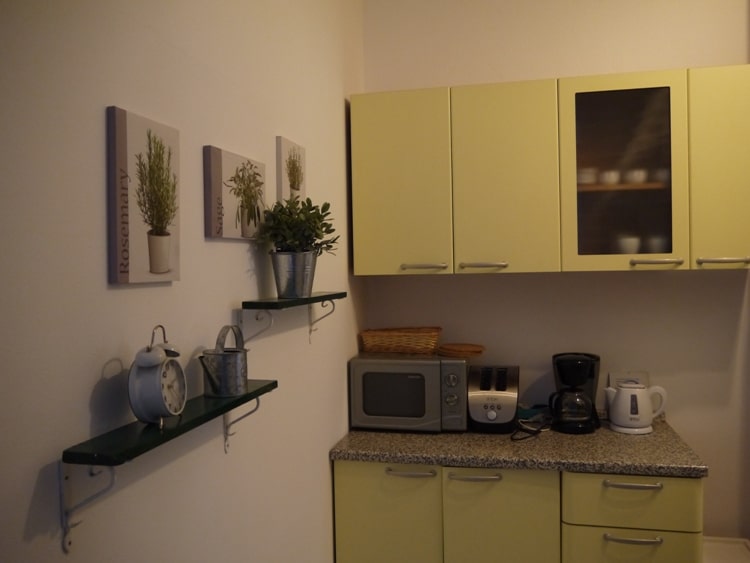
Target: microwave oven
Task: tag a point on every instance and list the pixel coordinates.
(410, 393)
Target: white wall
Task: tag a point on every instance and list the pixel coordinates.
(689, 330)
(233, 74)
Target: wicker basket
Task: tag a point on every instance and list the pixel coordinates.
(410, 340)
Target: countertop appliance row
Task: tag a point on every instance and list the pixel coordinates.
(431, 394)
(420, 393)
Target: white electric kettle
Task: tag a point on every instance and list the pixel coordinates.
(631, 407)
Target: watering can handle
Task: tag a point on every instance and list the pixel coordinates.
(239, 340)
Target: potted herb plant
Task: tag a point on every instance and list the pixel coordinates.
(247, 186)
(297, 231)
(156, 195)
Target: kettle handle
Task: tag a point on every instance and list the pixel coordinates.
(656, 390)
(239, 340)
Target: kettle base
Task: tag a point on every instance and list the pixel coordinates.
(627, 430)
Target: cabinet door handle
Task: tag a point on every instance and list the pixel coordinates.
(411, 474)
(723, 260)
(656, 261)
(427, 266)
(475, 478)
(633, 486)
(463, 265)
(658, 540)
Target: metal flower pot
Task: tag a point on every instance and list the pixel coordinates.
(293, 272)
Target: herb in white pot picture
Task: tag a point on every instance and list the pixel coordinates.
(156, 196)
(143, 221)
(247, 186)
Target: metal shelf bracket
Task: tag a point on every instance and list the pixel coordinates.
(260, 316)
(313, 321)
(66, 509)
(228, 423)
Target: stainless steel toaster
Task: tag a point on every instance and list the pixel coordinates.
(492, 398)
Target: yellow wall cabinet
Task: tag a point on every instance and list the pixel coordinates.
(506, 209)
(460, 180)
(719, 175)
(471, 179)
(401, 182)
(614, 518)
(624, 171)
(423, 514)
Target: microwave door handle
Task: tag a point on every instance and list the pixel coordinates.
(411, 474)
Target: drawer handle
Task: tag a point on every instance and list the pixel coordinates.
(658, 540)
(723, 260)
(411, 474)
(633, 486)
(656, 261)
(435, 266)
(463, 265)
(475, 478)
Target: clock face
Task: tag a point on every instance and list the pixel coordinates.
(173, 387)
(157, 391)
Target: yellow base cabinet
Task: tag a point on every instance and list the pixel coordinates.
(624, 171)
(387, 513)
(501, 515)
(719, 175)
(390, 513)
(608, 518)
(401, 182)
(506, 209)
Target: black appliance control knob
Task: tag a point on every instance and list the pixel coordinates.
(451, 380)
(451, 399)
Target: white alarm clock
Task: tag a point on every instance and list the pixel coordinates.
(157, 387)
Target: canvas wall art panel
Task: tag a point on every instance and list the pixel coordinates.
(234, 194)
(143, 192)
(290, 169)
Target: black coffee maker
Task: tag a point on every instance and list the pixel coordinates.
(573, 404)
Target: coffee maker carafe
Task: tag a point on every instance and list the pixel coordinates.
(573, 404)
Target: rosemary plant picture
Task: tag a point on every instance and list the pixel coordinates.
(143, 199)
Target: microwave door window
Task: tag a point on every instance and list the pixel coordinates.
(394, 394)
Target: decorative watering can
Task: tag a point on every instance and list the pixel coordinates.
(225, 369)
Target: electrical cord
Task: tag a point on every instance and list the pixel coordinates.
(530, 427)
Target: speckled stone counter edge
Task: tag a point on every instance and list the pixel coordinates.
(660, 453)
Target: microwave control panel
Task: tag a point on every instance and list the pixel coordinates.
(454, 381)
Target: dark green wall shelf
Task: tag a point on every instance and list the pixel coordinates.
(276, 304)
(129, 441)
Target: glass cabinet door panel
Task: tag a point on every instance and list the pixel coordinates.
(624, 171)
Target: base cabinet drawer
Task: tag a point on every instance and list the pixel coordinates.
(593, 544)
(628, 501)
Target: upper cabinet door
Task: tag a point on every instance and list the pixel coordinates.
(401, 182)
(624, 171)
(719, 173)
(506, 209)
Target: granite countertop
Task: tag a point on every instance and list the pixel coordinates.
(660, 453)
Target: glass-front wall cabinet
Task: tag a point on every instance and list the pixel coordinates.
(623, 164)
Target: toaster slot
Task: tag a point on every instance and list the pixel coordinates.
(501, 379)
(485, 379)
